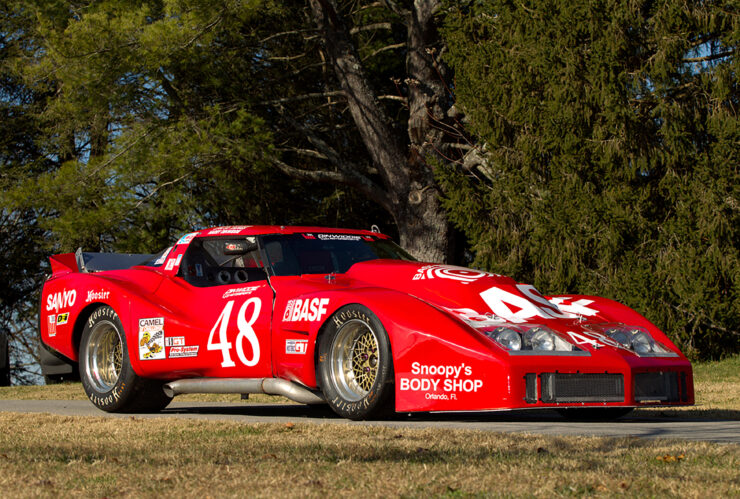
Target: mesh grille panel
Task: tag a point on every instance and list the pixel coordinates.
(661, 386)
(578, 387)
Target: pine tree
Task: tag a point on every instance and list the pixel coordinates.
(611, 137)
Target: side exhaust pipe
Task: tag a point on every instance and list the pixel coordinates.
(270, 386)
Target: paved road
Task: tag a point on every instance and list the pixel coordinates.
(539, 422)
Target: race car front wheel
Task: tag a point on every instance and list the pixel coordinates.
(355, 364)
(107, 376)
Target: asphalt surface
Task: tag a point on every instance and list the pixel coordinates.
(652, 425)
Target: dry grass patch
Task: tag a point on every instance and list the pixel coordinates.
(43, 455)
(74, 391)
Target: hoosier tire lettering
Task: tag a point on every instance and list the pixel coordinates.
(355, 364)
(105, 369)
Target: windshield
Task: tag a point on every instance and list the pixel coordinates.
(297, 254)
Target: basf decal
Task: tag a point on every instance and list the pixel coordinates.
(305, 310)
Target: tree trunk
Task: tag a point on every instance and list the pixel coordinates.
(408, 180)
(424, 229)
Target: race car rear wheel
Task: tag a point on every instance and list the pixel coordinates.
(355, 364)
(107, 376)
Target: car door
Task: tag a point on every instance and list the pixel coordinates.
(225, 312)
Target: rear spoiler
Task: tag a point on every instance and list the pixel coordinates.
(96, 262)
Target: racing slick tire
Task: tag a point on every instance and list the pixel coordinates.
(594, 413)
(105, 369)
(355, 364)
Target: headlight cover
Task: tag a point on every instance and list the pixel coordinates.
(526, 339)
(634, 338)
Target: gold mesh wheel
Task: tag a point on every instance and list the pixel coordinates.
(104, 356)
(354, 359)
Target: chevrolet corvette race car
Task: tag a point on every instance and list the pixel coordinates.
(348, 318)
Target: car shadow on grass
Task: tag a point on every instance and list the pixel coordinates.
(324, 413)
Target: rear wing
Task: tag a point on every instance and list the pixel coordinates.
(96, 262)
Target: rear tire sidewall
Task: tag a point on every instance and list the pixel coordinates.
(117, 398)
(379, 399)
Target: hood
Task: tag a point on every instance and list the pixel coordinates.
(460, 290)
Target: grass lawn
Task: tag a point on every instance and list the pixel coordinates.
(44, 456)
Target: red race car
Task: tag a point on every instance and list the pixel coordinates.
(348, 318)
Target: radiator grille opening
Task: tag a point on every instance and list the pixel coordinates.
(658, 386)
(531, 386)
(582, 387)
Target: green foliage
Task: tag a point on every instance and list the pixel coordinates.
(124, 123)
(158, 123)
(611, 138)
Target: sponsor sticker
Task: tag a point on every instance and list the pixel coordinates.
(230, 230)
(184, 351)
(305, 310)
(163, 257)
(151, 338)
(440, 382)
(460, 274)
(97, 295)
(179, 259)
(240, 291)
(170, 264)
(339, 237)
(52, 325)
(174, 341)
(60, 300)
(62, 318)
(187, 238)
(296, 346)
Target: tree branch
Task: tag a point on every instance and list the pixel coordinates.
(362, 184)
(369, 117)
(383, 49)
(711, 57)
(370, 27)
(395, 8)
(296, 98)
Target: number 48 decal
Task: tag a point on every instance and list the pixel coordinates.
(245, 332)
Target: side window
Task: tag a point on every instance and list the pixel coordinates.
(219, 262)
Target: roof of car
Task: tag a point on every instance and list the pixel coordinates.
(255, 230)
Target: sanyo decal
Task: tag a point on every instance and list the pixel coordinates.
(61, 300)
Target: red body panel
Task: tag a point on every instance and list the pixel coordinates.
(270, 327)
